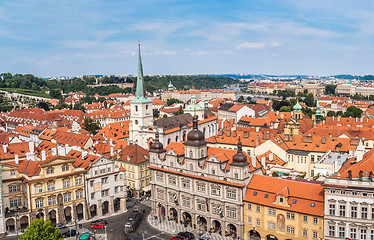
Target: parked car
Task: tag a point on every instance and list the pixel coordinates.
(186, 235)
(60, 226)
(70, 233)
(176, 238)
(97, 225)
(101, 221)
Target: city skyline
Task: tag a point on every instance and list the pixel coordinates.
(187, 37)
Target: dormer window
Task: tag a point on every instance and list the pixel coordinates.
(281, 199)
(236, 175)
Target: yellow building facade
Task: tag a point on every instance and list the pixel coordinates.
(283, 209)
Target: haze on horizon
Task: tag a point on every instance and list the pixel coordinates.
(70, 38)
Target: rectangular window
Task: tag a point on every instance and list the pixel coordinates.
(104, 180)
(271, 212)
(258, 209)
(50, 171)
(315, 220)
(79, 195)
(371, 234)
(78, 181)
(258, 222)
(291, 216)
(249, 220)
(353, 233)
(50, 187)
(249, 207)
(332, 209)
(39, 203)
(65, 168)
(231, 194)
(160, 194)
(271, 225)
(342, 232)
(363, 234)
(92, 195)
(305, 233)
(353, 211)
(332, 231)
(15, 202)
(91, 183)
(216, 191)
(66, 183)
(342, 210)
(105, 193)
(67, 197)
(52, 201)
(290, 230)
(15, 188)
(38, 189)
(364, 212)
(305, 219)
(315, 234)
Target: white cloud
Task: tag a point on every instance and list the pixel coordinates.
(275, 44)
(251, 45)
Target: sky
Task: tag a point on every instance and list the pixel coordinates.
(82, 37)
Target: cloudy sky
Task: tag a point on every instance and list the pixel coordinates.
(77, 37)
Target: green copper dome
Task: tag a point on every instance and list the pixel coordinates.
(297, 106)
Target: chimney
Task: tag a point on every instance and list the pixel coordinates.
(228, 133)
(271, 156)
(43, 155)
(246, 134)
(111, 142)
(257, 129)
(4, 149)
(333, 117)
(258, 141)
(31, 147)
(54, 151)
(111, 151)
(220, 132)
(356, 119)
(16, 159)
(307, 138)
(254, 161)
(323, 140)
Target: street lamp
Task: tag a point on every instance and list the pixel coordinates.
(76, 229)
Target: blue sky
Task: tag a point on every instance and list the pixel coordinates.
(77, 37)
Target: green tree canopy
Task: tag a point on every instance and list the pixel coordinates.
(41, 230)
(330, 89)
(309, 100)
(171, 101)
(353, 111)
(91, 125)
(156, 113)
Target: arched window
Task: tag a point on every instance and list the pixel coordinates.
(169, 140)
(176, 138)
(191, 167)
(136, 108)
(184, 136)
(146, 107)
(191, 154)
(202, 153)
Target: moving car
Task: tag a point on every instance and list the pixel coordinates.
(60, 226)
(176, 238)
(186, 235)
(101, 221)
(133, 221)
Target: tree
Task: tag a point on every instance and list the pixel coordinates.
(309, 100)
(331, 113)
(241, 99)
(330, 89)
(171, 101)
(353, 111)
(285, 109)
(277, 105)
(43, 105)
(55, 93)
(308, 111)
(41, 230)
(180, 111)
(156, 113)
(91, 126)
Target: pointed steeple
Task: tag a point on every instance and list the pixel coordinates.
(140, 94)
(139, 82)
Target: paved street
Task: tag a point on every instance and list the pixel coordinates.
(116, 226)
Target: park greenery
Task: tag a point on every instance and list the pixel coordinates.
(41, 230)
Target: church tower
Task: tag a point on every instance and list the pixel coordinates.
(141, 110)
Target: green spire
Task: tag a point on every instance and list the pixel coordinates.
(140, 95)
(297, 107)
(139, 82)
(318, 110)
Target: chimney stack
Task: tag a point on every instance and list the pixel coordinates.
(5, 149)
(43, 155)
(54, 151)
(84, 154)
(31, 147)
(16, 159)
(111, 151)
